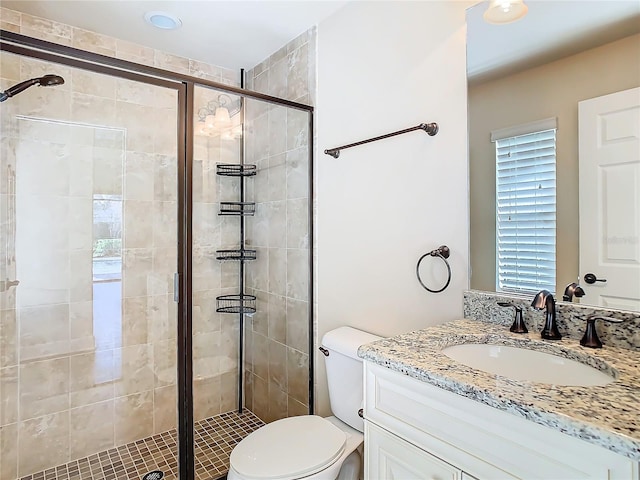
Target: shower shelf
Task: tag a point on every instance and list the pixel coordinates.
(237, 208)
(236, 255)
(236, 170)
(236, 304)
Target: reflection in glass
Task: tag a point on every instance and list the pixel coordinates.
(107, 271)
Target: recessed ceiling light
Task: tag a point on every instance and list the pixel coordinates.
(163, 20)
(505, 11)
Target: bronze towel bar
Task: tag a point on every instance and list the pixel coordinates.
(430, 128)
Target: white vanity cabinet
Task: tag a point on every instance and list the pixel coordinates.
(392, 457)
(414, 430)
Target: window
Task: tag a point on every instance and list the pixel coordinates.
(526, 207)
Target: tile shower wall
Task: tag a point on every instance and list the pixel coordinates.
(277, 362)
(215, 335)
(96, 389)
(88, 335)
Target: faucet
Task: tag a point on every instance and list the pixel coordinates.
(518, 325)
(590, 338)
(544, 299)
(572, 290)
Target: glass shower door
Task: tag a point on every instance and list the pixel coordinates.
(88, 215)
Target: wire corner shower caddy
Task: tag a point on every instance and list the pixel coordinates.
(239, 303)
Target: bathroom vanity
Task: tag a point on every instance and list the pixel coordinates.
(429, 416)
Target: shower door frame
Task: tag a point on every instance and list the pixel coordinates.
(185, 86)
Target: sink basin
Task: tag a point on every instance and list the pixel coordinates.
(529, 365)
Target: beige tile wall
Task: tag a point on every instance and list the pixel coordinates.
(215, 335)
(73, 387)
(63, 393)
(277, 374)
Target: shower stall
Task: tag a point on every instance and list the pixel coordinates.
(155, 266)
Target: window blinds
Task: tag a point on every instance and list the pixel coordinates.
(526, 212)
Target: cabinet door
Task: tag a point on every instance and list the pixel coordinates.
(388, 457)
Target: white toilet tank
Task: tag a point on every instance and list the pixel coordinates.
(344, 372)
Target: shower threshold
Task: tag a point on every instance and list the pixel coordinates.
(215, 437)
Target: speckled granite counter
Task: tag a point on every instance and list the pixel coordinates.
(608, 416)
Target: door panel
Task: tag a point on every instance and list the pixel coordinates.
(610, 199)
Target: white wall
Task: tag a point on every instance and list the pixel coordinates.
(382, 67)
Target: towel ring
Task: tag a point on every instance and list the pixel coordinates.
(443, 252)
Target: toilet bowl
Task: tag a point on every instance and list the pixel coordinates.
(306, 447)
(310, 447)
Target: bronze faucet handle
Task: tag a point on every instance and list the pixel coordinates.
(518, 325)
(590, 338)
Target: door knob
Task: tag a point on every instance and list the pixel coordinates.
(591, 278)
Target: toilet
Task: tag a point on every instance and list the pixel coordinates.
(310, 447)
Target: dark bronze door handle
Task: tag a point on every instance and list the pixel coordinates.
(591, 278)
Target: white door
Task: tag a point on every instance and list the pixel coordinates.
(609, 150)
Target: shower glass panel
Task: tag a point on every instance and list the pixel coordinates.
(216, 268)
(88, 215)
(277, 337)
(215, 336)
(251, 270)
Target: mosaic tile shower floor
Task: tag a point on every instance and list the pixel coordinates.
(215, 437)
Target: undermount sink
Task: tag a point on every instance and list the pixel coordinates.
(528, 365)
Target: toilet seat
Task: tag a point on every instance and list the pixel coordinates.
(293, 447)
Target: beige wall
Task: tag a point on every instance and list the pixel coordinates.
(385, 66)
(278, 143)
(551, 90)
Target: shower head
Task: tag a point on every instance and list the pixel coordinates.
(50, 80)
(44, 81)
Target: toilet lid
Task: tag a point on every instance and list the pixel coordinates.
(289, 448)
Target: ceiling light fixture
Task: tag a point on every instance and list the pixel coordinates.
(163, 20)
(505, 11)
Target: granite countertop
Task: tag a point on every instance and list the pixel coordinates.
(608, 416)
